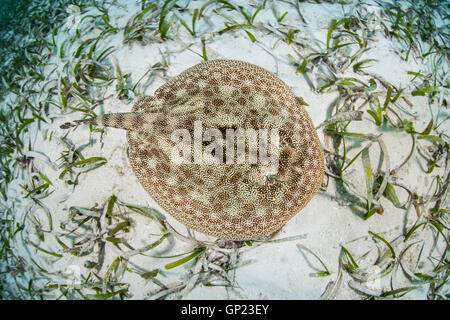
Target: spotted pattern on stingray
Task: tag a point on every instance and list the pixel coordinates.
(229, 201)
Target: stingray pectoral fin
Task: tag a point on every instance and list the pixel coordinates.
(126, 120)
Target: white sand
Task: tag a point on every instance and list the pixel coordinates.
(272, 270)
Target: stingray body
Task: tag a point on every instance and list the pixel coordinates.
(228, 201)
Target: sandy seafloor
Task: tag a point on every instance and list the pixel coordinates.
(275, 270)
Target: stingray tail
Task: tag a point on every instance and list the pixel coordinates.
(126, 120)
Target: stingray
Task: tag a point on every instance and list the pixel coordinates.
(238, 200)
